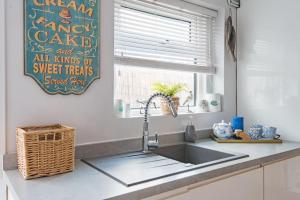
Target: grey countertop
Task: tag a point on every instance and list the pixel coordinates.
(88, 183)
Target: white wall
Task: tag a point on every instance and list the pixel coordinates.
(92, 112)
(269, 64)
(2, 78)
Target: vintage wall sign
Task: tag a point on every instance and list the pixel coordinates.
(62, 44)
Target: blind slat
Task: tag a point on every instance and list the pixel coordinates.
(159, 51)
(165, 58)
(142, 38)
(140, 62)
(140, 27)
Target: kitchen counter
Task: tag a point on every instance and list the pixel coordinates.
(88, 183)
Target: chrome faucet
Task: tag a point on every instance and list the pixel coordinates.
(149, 144)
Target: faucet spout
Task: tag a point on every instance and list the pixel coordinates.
(146, 142)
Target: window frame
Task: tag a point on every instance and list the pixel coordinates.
(195, 69)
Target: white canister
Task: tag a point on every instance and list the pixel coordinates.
(203, 105)
(214, 102)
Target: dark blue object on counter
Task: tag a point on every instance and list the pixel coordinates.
(237, 123)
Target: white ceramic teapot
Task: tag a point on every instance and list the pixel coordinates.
(222, 130)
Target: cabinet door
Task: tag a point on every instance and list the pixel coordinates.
(245, 186)
(10, 196)
(282, 180)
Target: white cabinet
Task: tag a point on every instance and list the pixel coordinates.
(282, 180)
(9, 196)
(2, 190)
(245, 186)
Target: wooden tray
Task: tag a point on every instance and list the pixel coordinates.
(274, 141)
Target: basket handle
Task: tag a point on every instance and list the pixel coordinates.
(51, 137)
(58, 136)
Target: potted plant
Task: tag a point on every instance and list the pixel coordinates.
(171, 91)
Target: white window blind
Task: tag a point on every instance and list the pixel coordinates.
(154, 35)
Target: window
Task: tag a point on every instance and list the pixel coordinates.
(158, 42)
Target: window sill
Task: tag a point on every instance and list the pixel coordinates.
(135, 113)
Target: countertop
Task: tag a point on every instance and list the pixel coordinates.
(87, 183)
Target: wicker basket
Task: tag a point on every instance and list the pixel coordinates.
(45, 150)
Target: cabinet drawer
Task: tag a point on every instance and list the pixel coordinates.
(248, 185)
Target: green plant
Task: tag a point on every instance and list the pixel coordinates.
(170, 90)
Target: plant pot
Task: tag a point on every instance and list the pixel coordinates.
(165, 107)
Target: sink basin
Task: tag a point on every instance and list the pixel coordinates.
(138, 167)
(191, 154)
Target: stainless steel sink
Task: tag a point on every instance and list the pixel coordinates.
(195, 155)
(138, 167)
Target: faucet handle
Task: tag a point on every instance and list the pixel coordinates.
(152, 144)
(156, 137)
